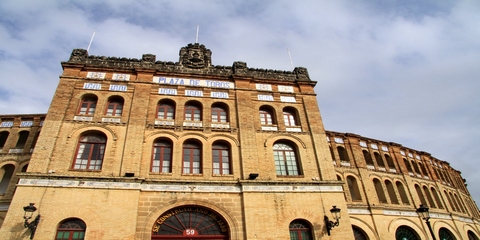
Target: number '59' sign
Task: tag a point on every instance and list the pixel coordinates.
(190, 232)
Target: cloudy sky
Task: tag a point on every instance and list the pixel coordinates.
(403, 71)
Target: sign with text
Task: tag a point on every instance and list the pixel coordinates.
(193, 82)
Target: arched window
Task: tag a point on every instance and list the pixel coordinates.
(90, 151)
(22, 139)
(379, 160)
(406, 233)
(450, 201)
(391, 192)
(390, 163)
(162, 156)
(407, 164)
(7, 171)
(3, 138)
(471, 235)
(193, 112)
(368, 157)
(343, 154)
(266, 116)
(300, 230)
(358, 233)
(353, 187)
(166, 110)
(290, 117)
(379, 189)
(403, 194)
(87, 105)
(192, 157)
(457, 208)
(221, 158)
(114, 106)
(285, 159)
(415, 167)
(460, 204)
(219, 113)
(71, 229)
(429, 197)
(437, 198)
(420, 195)
(439, 175)
(424, 170)
(445, 234)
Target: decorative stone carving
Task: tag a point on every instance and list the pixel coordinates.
(195, 56)
(240, 68)
(302, 74)
(148, 58)
(78, 55)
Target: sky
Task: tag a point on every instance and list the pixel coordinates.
(403, 71)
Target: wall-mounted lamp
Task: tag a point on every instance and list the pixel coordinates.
(425, 215)
(32, 226)
(252, 176)
(336, 216)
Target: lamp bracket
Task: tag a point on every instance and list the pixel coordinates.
(32, 226)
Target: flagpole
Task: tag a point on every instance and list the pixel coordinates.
(91, 40)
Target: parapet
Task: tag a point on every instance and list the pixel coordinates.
(193, 59)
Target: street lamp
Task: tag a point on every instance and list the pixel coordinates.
(425, 215)
(336, 216)
(32, 226)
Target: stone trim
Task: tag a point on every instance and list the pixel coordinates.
(180, 187)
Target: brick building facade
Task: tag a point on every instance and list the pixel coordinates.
(145, 149)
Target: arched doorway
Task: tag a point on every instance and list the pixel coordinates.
(445, 234)
(190, 222)
(359, 234)
(406, 233)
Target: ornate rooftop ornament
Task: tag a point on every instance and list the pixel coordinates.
(195, 56)
(78, 55)
(240, 68)
(302, 74)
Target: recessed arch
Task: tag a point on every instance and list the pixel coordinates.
(190, 222)
(152, 216)
(80, 130)
(406, 233)
(220, 136)
(272, 138)
(156, 134)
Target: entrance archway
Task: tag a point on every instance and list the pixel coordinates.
(190, 222)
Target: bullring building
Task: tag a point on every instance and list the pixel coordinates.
(147, 149)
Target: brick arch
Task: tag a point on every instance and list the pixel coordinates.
(233, 225)
(275, 137)
(190, 136)
(92, 220)
(443, 224)
(470, 227)
(397, 222)
(152, 136)
(367, 229)
(104, 129)
(217, 137)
